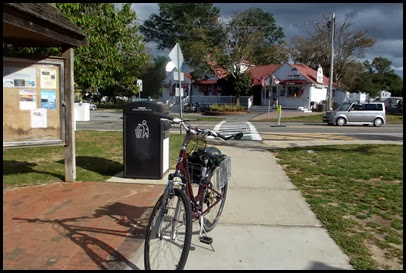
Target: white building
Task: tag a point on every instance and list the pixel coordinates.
(383, 95)
(171, 82)
(340, 96)
(299, 86)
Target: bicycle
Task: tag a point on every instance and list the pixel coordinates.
(169, 231)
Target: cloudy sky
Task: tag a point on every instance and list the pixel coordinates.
(383, 21)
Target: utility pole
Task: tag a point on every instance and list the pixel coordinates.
(331, 25)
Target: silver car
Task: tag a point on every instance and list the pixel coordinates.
(357, 113)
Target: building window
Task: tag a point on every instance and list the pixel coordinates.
(293, 91)
(210, 89)
(283, 92)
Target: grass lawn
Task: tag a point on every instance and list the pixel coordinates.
(357, 192)
(99, 156)
(390, 119)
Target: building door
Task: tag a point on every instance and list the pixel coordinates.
(256, 92)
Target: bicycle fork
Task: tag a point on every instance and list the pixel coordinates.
(157, 228)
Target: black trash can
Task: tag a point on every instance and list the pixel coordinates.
(145, 140)
(321, 108)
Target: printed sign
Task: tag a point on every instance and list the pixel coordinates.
(48, 99)
(142, 130)
(320, 75)
(28, 99)
(48, 78)
(19, 77)
(39, 118)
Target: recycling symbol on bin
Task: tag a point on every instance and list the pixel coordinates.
(142, 130)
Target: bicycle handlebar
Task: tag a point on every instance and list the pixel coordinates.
(197, 131)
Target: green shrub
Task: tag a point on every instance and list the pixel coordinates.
(227, 108)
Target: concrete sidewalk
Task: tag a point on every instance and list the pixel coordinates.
(266, 223)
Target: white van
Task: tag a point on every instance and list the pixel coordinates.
(357, 113)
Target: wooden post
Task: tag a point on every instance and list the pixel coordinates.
(70, 154)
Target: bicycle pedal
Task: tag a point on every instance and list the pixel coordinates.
(206, 240)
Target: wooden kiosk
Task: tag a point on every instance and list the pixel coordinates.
(38, 94)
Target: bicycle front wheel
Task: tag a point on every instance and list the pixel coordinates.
(167, 243)
(207, 201)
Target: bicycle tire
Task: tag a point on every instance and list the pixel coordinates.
(212, 217)
(163, 244)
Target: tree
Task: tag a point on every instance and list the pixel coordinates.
(253, 36)
(195, 26)
(153, 76)
(115, 55)
(314, 50)
(376, 76)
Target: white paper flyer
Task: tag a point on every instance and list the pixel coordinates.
(28, 99)
(39, 118)
(48, 78)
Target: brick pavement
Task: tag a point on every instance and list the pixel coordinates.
(80, 225)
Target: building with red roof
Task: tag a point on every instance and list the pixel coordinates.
(294, 86)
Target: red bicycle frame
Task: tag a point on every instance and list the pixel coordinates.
(183, 172)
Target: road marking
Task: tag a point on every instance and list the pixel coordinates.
(229, 128)
(254, 134)
(218, 126)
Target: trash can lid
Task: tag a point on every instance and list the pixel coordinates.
(143, 107)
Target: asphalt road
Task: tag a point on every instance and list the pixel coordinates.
(112, 121)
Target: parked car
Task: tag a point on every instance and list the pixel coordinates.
(399, 107)
(91, 106)
(392, 102)
(357, 113)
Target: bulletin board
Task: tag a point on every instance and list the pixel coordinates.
(32, 102)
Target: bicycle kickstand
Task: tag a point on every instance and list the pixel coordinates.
(204, 239)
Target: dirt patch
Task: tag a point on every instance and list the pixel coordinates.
(379, 256)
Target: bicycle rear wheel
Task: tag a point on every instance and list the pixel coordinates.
(212, 217)
(169, 247)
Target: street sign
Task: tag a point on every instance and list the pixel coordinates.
(177, 91)
(176, 76)
(169, 66)
(139, 83)
(176, 56)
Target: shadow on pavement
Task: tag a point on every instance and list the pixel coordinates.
(98, 165)
(323, 266)
(133, 218)
(21, 167)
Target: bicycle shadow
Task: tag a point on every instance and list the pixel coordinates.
(135, 219)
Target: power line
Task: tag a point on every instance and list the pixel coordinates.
(255, 26)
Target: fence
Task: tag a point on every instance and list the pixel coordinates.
(246, 101)
(210, 100)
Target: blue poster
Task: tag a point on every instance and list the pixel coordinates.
(48, 99)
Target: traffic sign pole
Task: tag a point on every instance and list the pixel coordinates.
(180, 93)
(177, 58)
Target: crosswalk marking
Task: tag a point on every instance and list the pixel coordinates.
(229, 128)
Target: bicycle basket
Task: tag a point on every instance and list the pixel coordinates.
(222, 173)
